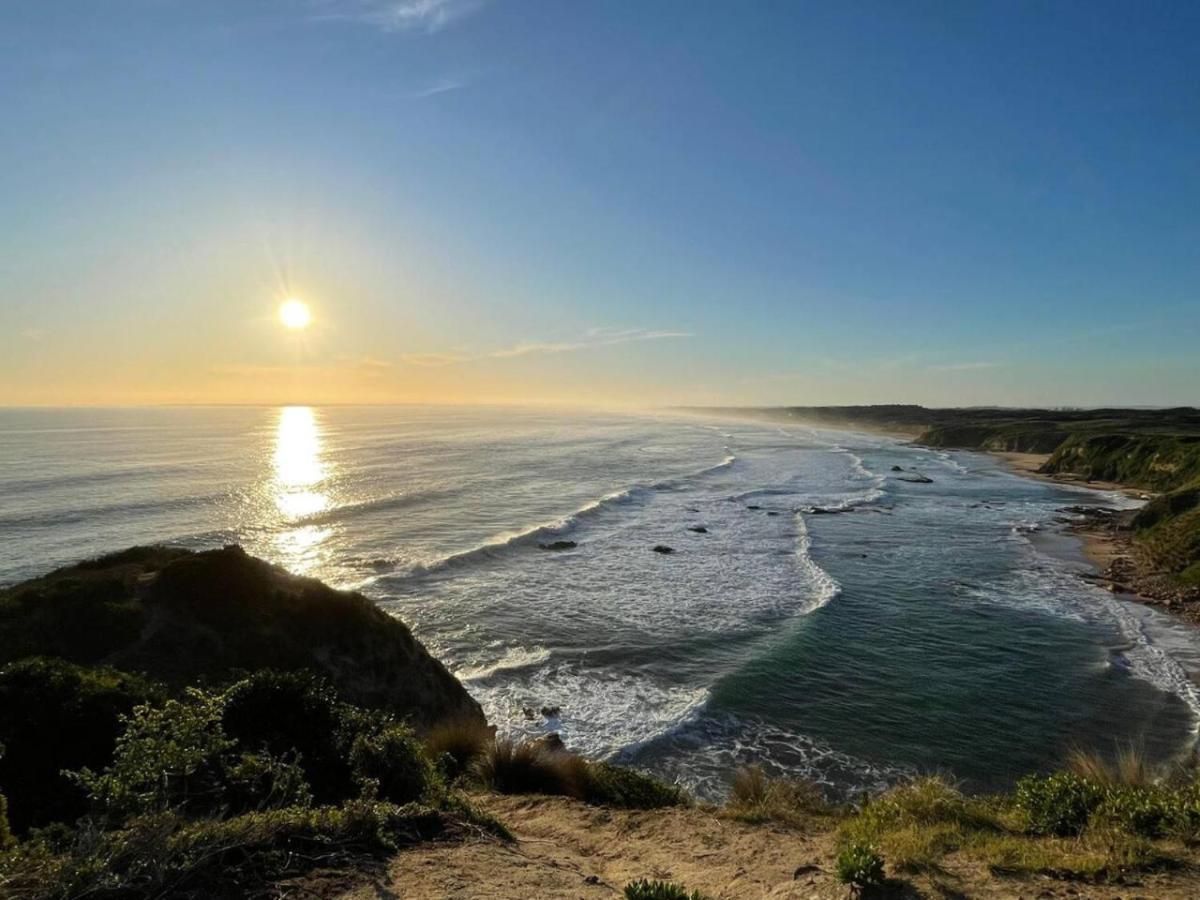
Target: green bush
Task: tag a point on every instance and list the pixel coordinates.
(260, 781)
(1152, 811)
(859, 865)
(659, 890)
(177, 757)
(609, 785)
(170, 757)
(54, 716)
(166, 855)
(391, 765)
(1060, 804)
(295, 713)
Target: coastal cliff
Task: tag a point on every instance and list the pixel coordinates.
(180, 617)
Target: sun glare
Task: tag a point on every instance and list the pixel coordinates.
(295, 314)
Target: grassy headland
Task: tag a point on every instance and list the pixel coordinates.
(300, 742)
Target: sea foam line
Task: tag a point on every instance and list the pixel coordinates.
(826, 587)
(555, 528)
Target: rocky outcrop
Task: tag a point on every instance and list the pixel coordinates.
(182, 617)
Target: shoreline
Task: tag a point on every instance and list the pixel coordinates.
(1105, 546)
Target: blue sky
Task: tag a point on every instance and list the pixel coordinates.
(663, 202)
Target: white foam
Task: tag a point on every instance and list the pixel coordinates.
(703, 753)
(601, 712)
(514, 658)
(825, 588)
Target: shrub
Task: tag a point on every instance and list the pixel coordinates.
(531, 768)
(462, 741)
(1058, 804)
(391, 765)
(659, 890)
(163, 854)
(296, 713)
(177, 757)
(860, 865)
(55, 715)
(259, 781)
(609, 785)
(170, 757)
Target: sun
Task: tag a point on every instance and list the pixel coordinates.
(294, 314)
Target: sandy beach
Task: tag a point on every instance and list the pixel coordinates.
(1107, 547)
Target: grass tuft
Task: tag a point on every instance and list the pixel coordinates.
(458, 742)
(1129, 769)
(531, 768)
(755, 798)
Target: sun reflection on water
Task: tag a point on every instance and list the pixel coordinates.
(301, 476)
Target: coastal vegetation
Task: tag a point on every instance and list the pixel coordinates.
(243, 780)
(299, 727)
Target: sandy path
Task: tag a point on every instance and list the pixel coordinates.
(565, 849)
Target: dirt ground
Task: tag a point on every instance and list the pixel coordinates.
(569, 850)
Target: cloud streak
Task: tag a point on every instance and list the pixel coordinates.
(427, 16)
(445, 86)
(596, 337)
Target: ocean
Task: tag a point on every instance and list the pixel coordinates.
(820, 613)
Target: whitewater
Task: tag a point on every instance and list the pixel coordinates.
(681, 593)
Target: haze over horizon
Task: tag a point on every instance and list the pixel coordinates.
(624, 204)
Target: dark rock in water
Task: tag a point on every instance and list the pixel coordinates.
(772, 513)
(917, 478)
(182, 617)
(699, 529)
(753, 507)
(382, 565)
(663, 548)
(897, 468)
(550, 711)
(559, 545)
(550, 743)
(528, 713)
(820, 511)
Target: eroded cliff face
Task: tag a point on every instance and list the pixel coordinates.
(181, 617)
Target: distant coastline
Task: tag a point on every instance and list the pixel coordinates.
(1151, 554)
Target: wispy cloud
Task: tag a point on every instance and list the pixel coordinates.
(596, 337)
(964, 367)
(427, 16)
(443, 86)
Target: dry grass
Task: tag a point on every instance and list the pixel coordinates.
(756, 798)
(1129, 769)
(531, 768)
(463, 742)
